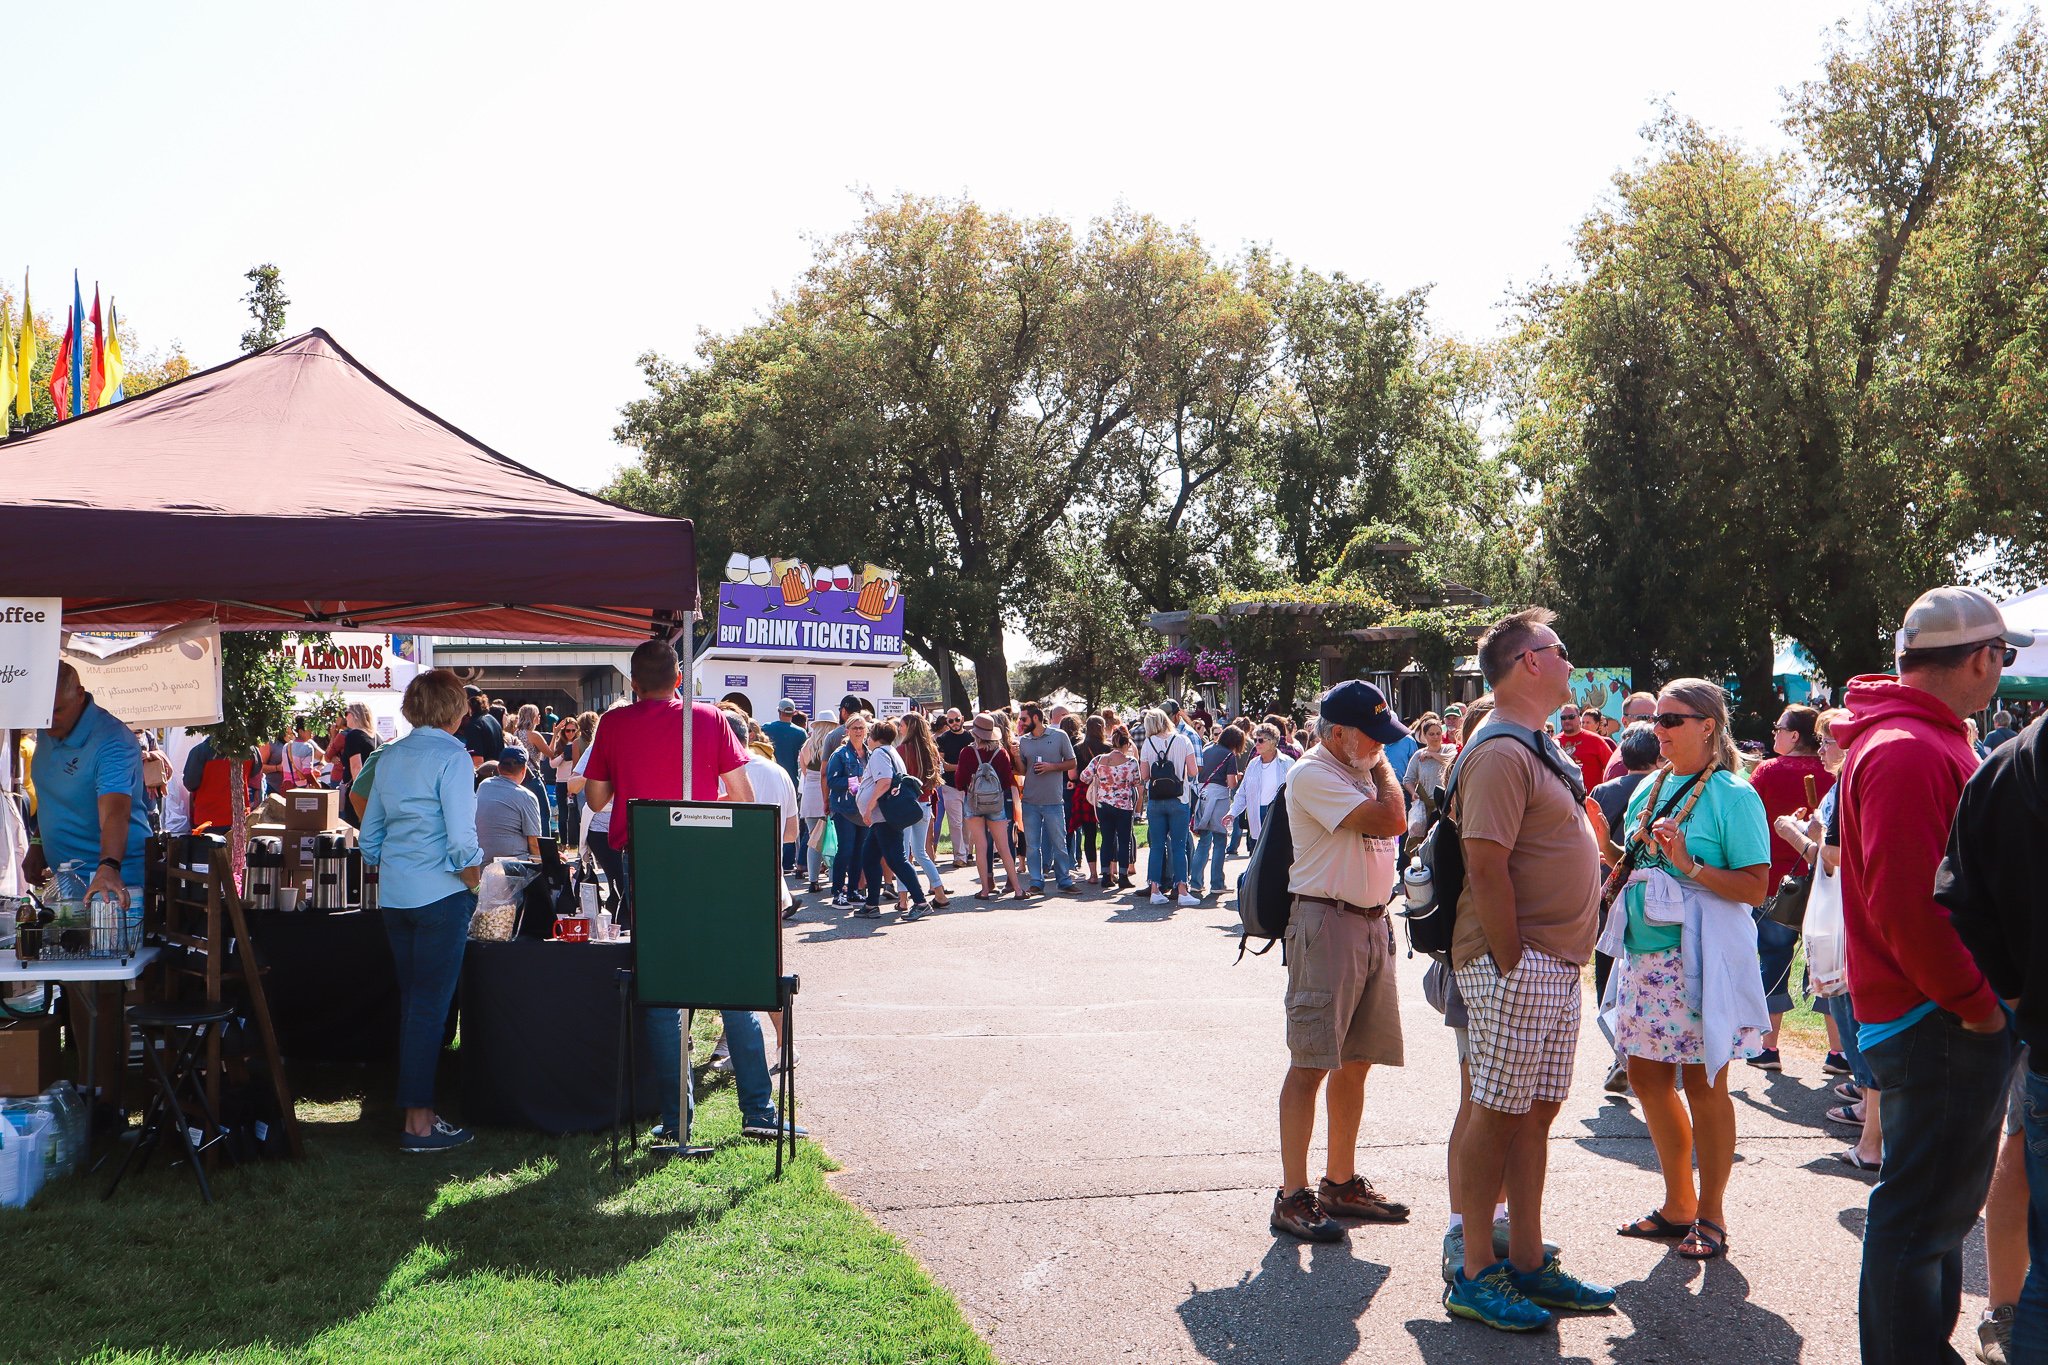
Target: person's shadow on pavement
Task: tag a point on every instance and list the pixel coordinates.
(1673, 1322)
(1301, 1307)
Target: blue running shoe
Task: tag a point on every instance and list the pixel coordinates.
(1553, 1287)
(1494, 1300)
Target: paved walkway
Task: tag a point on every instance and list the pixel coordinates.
(1066, 1110)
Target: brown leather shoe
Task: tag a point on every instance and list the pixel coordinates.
(1356, 1198)
(1301, 1215)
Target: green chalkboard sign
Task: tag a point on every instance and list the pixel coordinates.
(707, 919)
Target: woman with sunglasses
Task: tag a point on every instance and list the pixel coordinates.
(1264, 773)
(1688, 993)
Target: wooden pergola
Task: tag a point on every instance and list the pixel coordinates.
(1328, 656)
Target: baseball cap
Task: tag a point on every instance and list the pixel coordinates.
(785, 707)
(1942, 617)
(472, 689)
(1170, 706)
(513, 753)
(1361, 706)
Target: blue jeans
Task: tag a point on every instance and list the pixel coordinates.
(853, 845)
(1166, 843)
(2030, 1320)
(1944, 1112)
(1119, 844)
(749, 1065)
(1045, 843)
(1775, 944)
(1237, 834)
(427, 944)
(1208, 856)
(913, 844)
(886, 845)
(1839, 1010)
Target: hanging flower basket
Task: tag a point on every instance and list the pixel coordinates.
(1157, 666)
(1216, 665)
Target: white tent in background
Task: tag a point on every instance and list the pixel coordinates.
(2028, 676)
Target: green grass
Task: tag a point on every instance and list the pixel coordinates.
(519, 1247)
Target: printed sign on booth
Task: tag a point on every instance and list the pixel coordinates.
(170, 678)
(786, 606)
(30, 631)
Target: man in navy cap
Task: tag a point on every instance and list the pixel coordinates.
(1347, 814)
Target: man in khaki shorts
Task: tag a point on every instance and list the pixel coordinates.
(1525, 930)
(1346, 811)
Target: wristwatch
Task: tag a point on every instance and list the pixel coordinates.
(114, 863)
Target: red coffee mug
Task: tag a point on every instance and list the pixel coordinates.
(572, 929)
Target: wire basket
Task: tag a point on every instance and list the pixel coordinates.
(101, 930)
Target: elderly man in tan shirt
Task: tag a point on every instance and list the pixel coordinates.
(1346, 813)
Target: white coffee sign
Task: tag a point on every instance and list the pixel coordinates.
(30, 631)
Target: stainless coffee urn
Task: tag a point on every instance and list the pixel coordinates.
(330, 872)
(266, 871)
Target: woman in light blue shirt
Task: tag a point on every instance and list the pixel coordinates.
(419, 831)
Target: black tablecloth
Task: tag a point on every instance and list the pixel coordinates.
(332, 985)
(540, 1025)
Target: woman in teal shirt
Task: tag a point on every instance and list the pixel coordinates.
(1706, 829)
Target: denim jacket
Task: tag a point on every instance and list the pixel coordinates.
(846, 765)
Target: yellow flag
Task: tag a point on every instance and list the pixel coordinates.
(25, 357)
(6, 368)
(111, 363)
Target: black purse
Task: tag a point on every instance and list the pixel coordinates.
(1787, 904)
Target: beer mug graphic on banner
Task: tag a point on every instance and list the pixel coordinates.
(794, 577)
(877, 593)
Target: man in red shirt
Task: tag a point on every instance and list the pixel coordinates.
(1932, 1030)
(638, 754)
(1582, 746)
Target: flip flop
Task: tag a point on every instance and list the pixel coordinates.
(988, 895)
(1660, 1227)
(1842, 1113)
(1848, 1157)
(1715, 1242)
(1848, 1092)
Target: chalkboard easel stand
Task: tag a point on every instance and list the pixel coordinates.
(786, 1101)
(625, 1092)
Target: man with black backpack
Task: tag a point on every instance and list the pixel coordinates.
(1524, 928)
(1346, 813)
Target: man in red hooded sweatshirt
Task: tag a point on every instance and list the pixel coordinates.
(1932, 1030)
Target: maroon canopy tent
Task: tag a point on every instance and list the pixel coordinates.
(292, 489)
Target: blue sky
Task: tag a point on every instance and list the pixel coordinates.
(499, 207)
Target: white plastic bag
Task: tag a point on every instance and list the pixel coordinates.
(1827, 967)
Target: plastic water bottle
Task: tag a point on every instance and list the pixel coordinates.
(1417, 885)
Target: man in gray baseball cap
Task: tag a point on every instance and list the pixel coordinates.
(1931, 1027)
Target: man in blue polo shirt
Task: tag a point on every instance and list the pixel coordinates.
(92, 811)
(89, 799)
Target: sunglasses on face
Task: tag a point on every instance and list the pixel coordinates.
(1559, 647)
(1671, 720)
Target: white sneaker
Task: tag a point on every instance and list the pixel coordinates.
(1159, 898)
(1186, 899)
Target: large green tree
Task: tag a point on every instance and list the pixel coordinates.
(1788, 393)
(941, 391)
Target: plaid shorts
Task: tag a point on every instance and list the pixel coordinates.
(1524, 1030)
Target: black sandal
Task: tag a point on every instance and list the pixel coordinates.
(1715, 1242)
(1660, 1227)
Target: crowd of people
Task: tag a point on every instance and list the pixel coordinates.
(1664, 861)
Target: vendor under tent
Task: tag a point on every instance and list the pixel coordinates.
(292, 489)
(2027, 679)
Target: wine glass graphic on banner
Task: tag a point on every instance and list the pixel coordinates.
(735, 572)
(761, 576)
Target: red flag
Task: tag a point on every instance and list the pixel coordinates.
(60, 372)
(96, 362)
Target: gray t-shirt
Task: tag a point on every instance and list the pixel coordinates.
(1052, 746)
(505, 814)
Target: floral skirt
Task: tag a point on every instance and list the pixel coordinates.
(1655, 1023)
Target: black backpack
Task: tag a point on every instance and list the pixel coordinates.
(1166, 784)
(1432, 927)
(1264, 904)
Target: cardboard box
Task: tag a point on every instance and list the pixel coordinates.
(28, 1056)
(312, 808)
